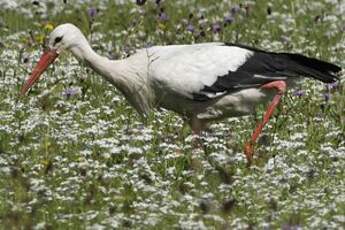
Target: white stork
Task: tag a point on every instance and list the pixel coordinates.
(202, 82)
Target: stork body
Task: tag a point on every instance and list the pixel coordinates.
(202, 82)
(156, 77)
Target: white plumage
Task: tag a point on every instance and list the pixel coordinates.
(191, 67)
(175, 73)
(201, 82)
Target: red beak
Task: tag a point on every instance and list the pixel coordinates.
(46, 59)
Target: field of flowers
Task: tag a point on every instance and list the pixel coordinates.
(74, 154)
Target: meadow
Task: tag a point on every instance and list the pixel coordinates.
(75, 155)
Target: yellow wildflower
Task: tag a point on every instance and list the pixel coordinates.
(49, 26)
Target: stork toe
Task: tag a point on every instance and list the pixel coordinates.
(249, 152)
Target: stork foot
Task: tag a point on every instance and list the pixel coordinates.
(249, 152)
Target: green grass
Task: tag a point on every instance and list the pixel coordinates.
(89, 160)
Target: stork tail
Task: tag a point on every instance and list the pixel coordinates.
(311, 67)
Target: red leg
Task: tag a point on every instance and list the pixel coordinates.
(280, 86)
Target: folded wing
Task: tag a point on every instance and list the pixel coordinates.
(206, 71)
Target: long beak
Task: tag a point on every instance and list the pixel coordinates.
(46, 59)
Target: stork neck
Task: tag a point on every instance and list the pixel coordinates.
(120, 73)
(97, 62)
(111, 70)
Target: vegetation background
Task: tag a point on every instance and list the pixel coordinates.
(73, 154)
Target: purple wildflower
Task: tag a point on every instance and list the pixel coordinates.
(69, 92)
(190, 28)
(216, 28)
(163, 16)
(298, 93)
(92, 12)
(235, 9)
(228, 19)
(333, 85)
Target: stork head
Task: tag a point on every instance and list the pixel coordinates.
(65, 36)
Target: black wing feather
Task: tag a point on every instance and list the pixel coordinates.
(264, 67)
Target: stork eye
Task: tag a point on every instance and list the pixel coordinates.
(57, 39)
